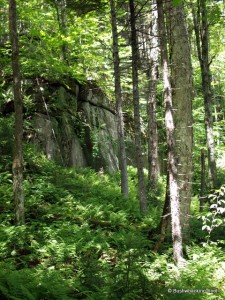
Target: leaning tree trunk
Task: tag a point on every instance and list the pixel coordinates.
(118, 93)
(170, 134)
(202, 41)
(137, 123)
(17, 166)
(181, 71)
(152, 73)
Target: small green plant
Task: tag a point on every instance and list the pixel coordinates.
(215, 217)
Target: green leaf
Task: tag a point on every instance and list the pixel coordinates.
(177, 2)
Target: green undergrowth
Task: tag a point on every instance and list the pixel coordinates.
(83, 240)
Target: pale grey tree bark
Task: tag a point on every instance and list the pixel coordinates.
(17, 166)
(118, 94)
(171, 144)
(182, 94)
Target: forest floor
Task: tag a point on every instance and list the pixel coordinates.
(83, 240)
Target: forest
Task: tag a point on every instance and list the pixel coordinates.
(112, 149)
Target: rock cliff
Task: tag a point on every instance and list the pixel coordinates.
(73, 124)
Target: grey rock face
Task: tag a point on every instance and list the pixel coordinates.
(76, 127)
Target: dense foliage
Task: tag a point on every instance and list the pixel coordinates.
(81, 238)
(88, 242)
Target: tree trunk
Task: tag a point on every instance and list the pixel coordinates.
(182, 94)
(170, 134)
(64, 29)
(17, 167)
(152, 73)
(202, 191)
(164, 223)
(202, 41)
(137, 123)
(118, 94)
(61, 18)
(207, 92)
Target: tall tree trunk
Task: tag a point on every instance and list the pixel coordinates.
(182, 94)
(118, 94)
(17, 166)
(152, 73)
(137, 123)
(202, 41)
(170, 134)
(207, 92)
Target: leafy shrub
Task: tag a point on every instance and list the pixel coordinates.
(215, 217)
